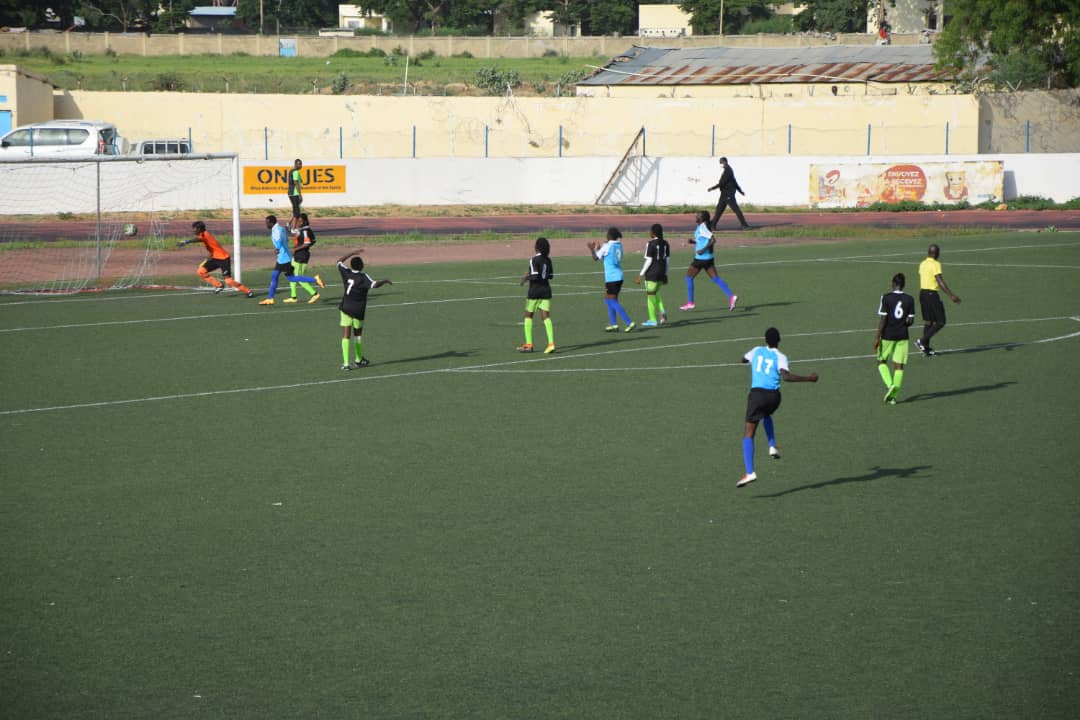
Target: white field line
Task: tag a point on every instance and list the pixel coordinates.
(500, 367)
(494, 280)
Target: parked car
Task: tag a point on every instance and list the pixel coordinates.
(162, 147)
(61, 138)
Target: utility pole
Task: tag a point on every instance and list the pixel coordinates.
(260, 17)
(721, 18)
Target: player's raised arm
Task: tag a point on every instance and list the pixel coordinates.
(357, 251)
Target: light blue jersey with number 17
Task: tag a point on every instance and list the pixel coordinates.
(765, 366)
(611, 253)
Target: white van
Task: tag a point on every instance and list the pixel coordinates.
(181, 146)
(61, 138)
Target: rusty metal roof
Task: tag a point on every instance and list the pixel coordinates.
(743, 66)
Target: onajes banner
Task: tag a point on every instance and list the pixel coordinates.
(274, 179)
(842, 185)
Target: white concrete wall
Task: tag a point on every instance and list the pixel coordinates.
(49, 189)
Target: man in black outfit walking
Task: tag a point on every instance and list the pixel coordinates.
(728, 186)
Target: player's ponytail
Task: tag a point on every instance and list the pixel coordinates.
(543, 246)
(657, 231)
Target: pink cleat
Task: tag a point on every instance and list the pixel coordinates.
(687, 306)
(731, 303)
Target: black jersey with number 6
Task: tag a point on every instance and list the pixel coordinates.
(540, 273)
(659, 251)
(357, 284)
(898, 309)
(306, 235)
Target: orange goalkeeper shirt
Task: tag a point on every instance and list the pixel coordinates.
(212, 245)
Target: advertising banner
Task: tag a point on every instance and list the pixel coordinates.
(274, 179)
(850, 185)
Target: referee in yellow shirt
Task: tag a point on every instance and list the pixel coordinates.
(931, 282)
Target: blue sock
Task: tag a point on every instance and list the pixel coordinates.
(610, 311)
(689, 289)
(723, 285)
(748, 454)
(622, 311)
(769, 433)
(273, 284)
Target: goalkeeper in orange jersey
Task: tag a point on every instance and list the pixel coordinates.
(218, 260)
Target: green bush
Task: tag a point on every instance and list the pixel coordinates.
(426, 55)
(465, 54)
(167, 82)
(339, 84)
(348, 53)
(495, 81)
(376, 52)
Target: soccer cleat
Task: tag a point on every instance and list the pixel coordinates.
(687, 306)
(919, 345)
(267, 301)
(774, 452)
(251, 293)
(290, 300)
(663, 318)
(611, 328)
(549, 349)
(527, 347)
(928, 352)
(890, 401)
(346, 367)
(731, 303)
(648, 324)
(218, 288)
(890, 395)
(630, 327)
(314, 299)
(746, 479)
(319, 281)
(362, 362)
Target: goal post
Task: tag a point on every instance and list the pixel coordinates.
(105, 223)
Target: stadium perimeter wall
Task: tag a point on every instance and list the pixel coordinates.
(660, 181)
(283, 127)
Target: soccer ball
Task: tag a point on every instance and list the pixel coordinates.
(131, 230)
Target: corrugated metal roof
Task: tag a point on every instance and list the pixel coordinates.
(742, 66)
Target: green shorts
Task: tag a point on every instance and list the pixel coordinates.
(653, 286)
(895, 350)
(532, 305)
(350, 321)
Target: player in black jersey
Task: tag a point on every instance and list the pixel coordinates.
(303, 239)
(539, 298)
(654, 272)
(897, 312)
(354, 305)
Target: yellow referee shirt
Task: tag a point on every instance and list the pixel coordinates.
(929, 269)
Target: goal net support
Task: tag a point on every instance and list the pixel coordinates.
(103, 223)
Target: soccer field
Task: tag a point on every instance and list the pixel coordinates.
(201, 515)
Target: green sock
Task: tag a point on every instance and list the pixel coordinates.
(550, 328)
(344, 351)
(650, 302)
(528, 330)
(898, 378)
(359, 349)
(660, 303)
(885, 376)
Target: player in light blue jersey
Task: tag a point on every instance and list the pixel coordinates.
(767, 367)
(703, 243)
(284, 264)
(611, 254)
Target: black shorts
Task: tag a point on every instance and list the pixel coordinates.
(933, 310)
(302, 257)
(703, 264)
(225, 266)
(285, 268)
(761, 403)
(295, 200)
(613, 288)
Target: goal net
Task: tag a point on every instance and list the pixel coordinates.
(103, 223)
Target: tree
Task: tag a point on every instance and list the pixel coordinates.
(705, 14)
(838, 16)
(122, 14)
(1012, 44)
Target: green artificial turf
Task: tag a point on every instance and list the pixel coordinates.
(201, 515)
